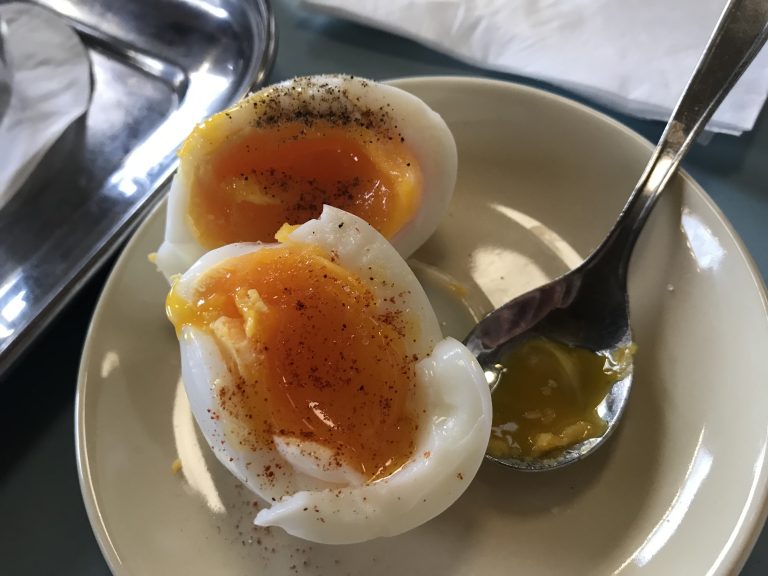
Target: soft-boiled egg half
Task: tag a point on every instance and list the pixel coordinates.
(283, 152)
(317, 372)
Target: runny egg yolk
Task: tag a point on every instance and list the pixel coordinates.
(310, 356)
(247, 185)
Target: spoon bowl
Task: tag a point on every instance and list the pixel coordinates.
(578, 309)
(589, 307)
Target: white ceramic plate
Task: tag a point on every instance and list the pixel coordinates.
(680, 488)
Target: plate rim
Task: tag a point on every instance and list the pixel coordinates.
(735, 551)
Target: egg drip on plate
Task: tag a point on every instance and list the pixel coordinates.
(283, 152)
(317, 372)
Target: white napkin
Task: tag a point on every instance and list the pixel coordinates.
(632, 55)
(51, 88)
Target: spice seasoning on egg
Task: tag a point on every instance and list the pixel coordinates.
(288, 150)
(297, 147)
(322, 364)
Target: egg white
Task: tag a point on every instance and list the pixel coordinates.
(425, 133)
(309, 498)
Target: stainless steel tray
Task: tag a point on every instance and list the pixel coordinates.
(158, 67)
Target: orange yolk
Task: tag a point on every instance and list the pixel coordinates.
(246, 186)
(310, 356)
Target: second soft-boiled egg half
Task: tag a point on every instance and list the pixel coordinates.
(317, 372)
(283, 152)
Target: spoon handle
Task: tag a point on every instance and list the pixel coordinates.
(740, 33)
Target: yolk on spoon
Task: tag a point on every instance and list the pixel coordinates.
(246, 186)
(548, 396)
(310, 356)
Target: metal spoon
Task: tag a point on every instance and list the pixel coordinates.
(588, 307)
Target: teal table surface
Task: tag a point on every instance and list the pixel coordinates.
(43, 525)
